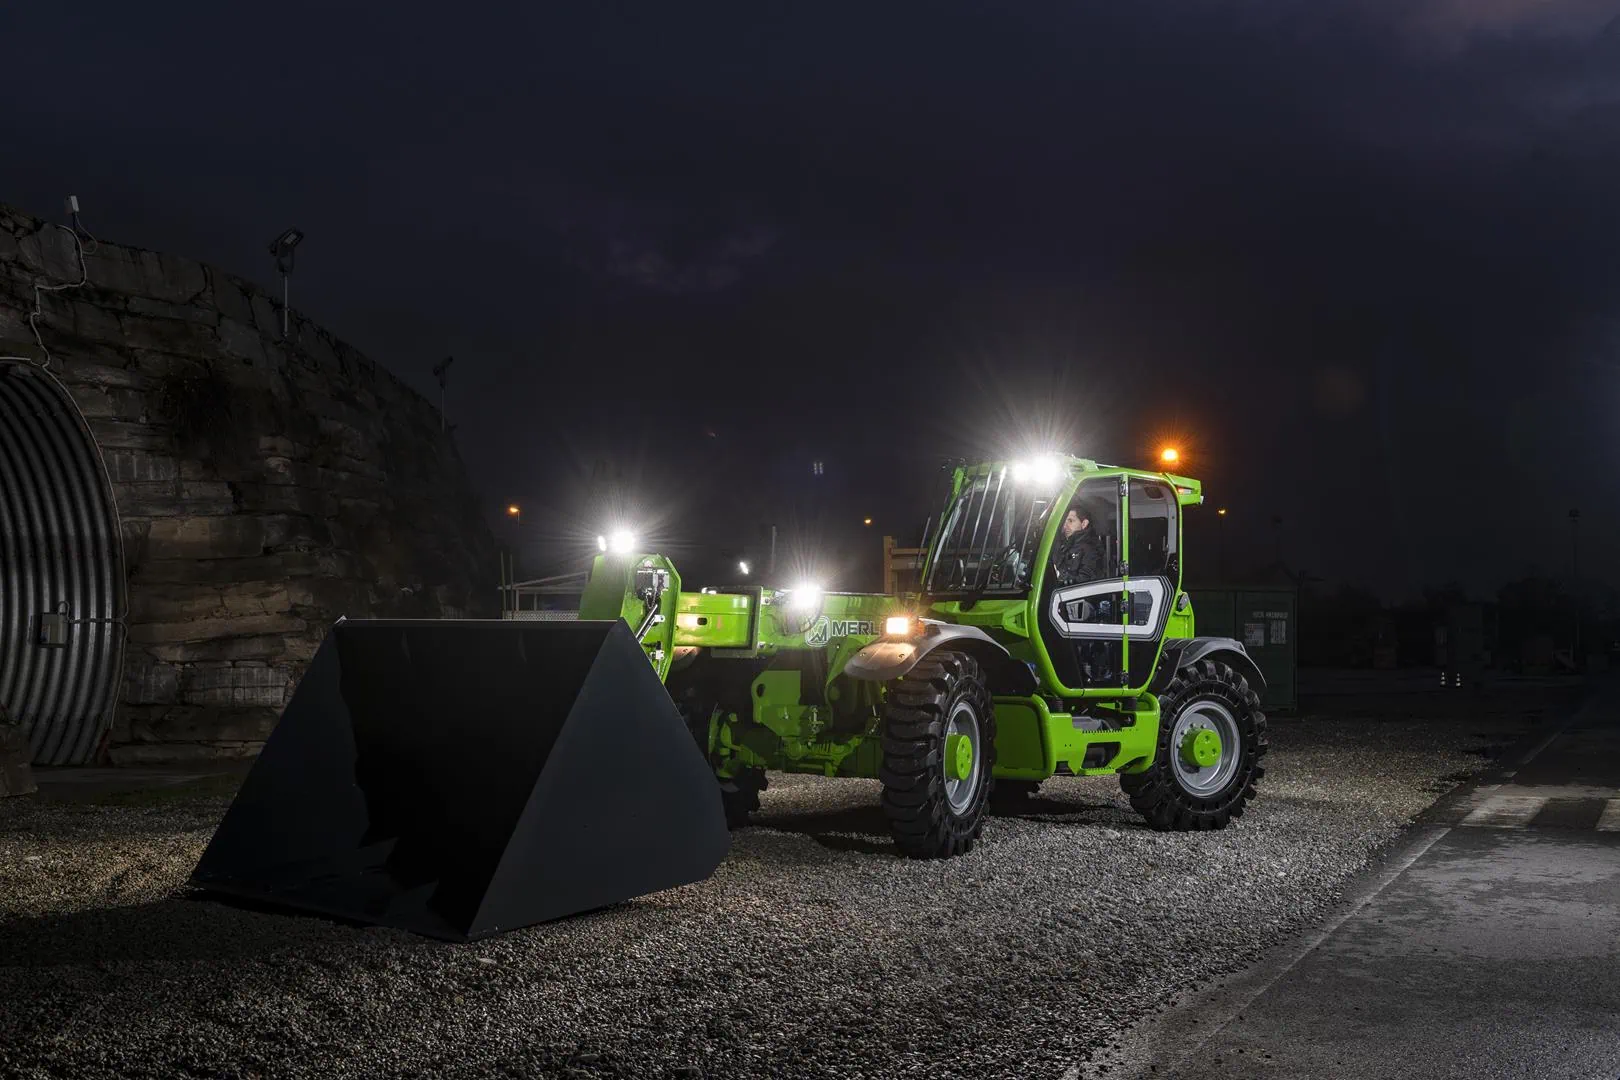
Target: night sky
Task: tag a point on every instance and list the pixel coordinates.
(1360, 260)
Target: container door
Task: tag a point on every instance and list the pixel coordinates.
(1266, 621)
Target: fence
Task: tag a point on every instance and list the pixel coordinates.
(902, 568)
(552, 599)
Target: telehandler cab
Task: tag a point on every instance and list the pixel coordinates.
(464, 777)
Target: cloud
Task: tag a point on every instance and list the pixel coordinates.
(659, 245)
(643, 258)
(1436, 25)
(1456, 23)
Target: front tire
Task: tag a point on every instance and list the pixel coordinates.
(939, 738)
(1195, 781)
(739, 796)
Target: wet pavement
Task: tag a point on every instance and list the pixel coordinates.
(1488, 945)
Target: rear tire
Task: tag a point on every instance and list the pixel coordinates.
(739, 796)
(936, 802)
(1175, 794)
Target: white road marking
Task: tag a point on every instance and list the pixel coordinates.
(1556, 791)
(1610, 821)
(1478, 798)
(1506, 811)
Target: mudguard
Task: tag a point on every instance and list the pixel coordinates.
(1179, 652)
(892, 658)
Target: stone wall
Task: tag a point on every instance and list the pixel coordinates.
(265, 487)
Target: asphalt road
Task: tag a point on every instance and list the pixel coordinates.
(1488, 945)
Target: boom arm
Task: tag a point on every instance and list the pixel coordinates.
(643, 591)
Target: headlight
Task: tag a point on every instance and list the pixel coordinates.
(601, 543)
(897, 626)
(622, 542)
(1041, 470)
(804, 598)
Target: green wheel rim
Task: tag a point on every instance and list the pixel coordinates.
(1200, 748)
(961, 764)
(1206, 748)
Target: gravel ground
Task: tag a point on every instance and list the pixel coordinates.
(813, 951)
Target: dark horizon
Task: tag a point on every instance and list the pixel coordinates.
(1360, 263)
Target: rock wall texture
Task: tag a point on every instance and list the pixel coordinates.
(265, 487)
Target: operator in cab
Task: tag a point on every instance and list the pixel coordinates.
(1078, 556)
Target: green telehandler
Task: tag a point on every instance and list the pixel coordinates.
(458, 778)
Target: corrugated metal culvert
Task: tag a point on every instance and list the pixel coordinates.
(62, 591)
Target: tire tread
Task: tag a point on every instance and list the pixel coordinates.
(913, 730)
(1154, 794)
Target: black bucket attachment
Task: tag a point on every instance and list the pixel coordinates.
(459, 778)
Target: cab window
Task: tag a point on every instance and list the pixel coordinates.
(1153, 529)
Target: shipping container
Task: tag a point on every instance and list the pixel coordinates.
(1265, 619)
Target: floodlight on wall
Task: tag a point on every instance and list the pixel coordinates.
(282, 247)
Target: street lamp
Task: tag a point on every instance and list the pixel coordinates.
(1575, 576)
(515, 512)
(1169, 456)
(282, 247)
(441, 371)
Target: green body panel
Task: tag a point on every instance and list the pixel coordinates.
(767, 673)
(753, 620)
(1180, 624)
(1009, 617)
(1022, 737)
(1033, 743)
(717, 620)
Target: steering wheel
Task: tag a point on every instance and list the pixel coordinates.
(1008, 565)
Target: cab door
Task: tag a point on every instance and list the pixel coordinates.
(1152, 571)
(1082, 624)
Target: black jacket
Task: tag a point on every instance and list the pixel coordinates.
(1078, 558)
